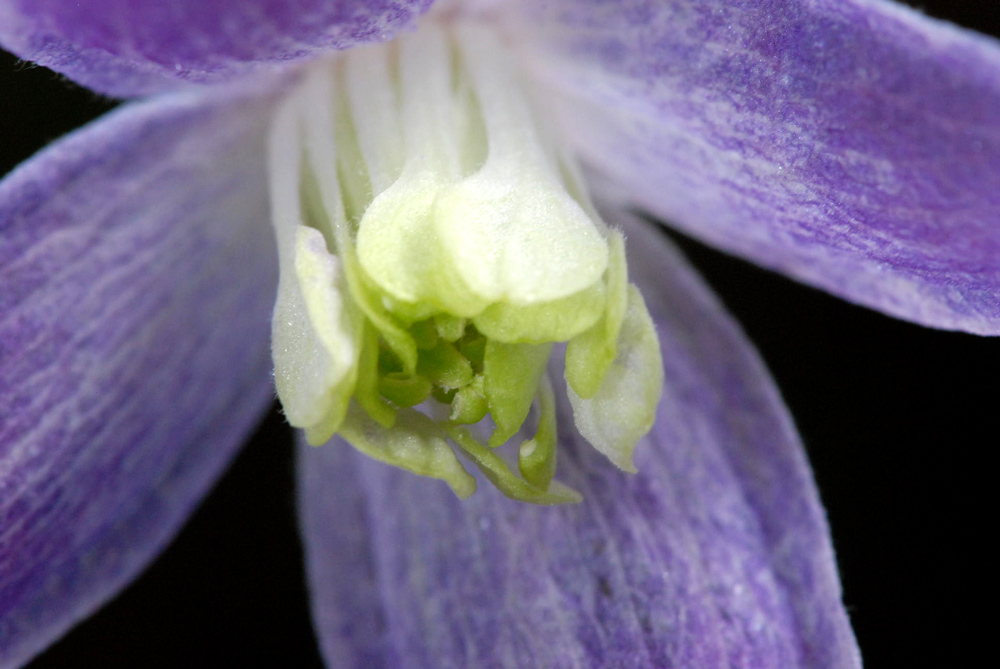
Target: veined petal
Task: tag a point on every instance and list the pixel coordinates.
(135, 47)
(853, 144)
(716, 554)
(136, 283)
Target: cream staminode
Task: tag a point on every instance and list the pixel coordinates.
(435, 242)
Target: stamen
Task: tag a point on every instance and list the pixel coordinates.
(434, 245)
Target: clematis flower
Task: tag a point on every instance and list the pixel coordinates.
(852, 145)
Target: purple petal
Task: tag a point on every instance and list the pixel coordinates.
(716, 554)
(853, 144)
(134, 47)
(136, 282)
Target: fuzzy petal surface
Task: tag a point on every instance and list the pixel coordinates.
(716, 554)
(136, 284)
(133, 47)
(852, 144)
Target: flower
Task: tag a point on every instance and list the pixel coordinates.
(849, 144)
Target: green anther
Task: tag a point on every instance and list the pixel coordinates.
(506, 482)
(404, 391)
(449, 328)
(511, 373)
(537, 457)
(468, 404)
(445, 366)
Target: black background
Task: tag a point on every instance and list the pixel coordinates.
(899, 421)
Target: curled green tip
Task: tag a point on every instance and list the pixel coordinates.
(496, 470)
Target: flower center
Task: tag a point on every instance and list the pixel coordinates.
(435, 242)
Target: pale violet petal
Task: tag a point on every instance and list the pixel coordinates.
(136, 284)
